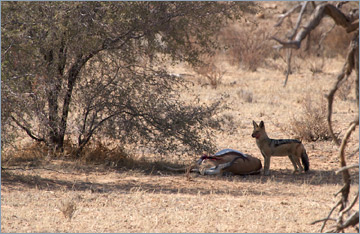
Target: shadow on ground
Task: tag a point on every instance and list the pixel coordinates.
(162, 181)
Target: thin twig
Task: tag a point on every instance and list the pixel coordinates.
(6, 51)
(283, 16)
(351, 205)
(327, 218)
(340, 190)
(324, 35)
(322, 220)
(304, 5)
(27, 130)
(351, 221)
(288, 61)
(346, 168)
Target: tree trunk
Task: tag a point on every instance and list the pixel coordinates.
(58, 124)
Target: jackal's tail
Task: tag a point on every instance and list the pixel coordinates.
(305, 160)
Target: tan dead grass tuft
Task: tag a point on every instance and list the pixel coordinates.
(311, 125)
(99, 152)
(245, 95)
(68, 208)
(31, 153)
(316, 65)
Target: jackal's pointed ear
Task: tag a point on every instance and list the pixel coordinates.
(255, 124)
(261, 124)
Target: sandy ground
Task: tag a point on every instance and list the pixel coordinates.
(63, 196)
(117, 200)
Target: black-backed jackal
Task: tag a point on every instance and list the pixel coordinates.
(282, 147)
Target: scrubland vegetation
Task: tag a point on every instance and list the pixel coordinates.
(137, 105)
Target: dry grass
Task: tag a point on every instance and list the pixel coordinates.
(30, 153)
(68, 208)
(245, 95)
(135, 199)
(129, 202)
(99, 152)
(139, 196)
(311, 125)
(248, 47)
(210, 72)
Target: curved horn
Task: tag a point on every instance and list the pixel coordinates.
(188, 168)
(175, 169)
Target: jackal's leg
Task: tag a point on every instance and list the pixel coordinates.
(291, 157)
(297, 160)
(267, 165)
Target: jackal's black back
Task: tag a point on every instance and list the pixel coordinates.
(278, 142)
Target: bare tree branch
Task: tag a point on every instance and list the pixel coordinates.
(328, 217)
(324, 35)
(27, 130)
(347, 167)
(283, 16)
(345, 173)
(340, 4)
(322, 220)
(351, 205)
(349, 65)
(351, 221)
(288, 61)
(304, 5)
(320, 12)
(351, 23)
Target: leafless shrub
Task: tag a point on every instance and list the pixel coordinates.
(247, 46)
(311, 125)
(210, 71)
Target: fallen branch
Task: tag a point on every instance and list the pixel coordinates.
(351, 221)
(322, 220)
